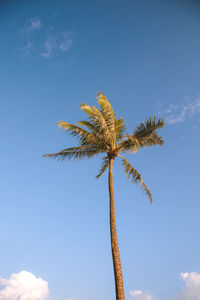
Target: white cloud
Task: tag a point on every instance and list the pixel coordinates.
(26, 49)
(179, 113)
(56, 43)
(32, 25)
(23, 286)
(46, 40)
(139, 295)
(65, 45)
(35, 24)
(49, 46)
(191, 290)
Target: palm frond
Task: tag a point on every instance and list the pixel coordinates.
(130, 144)
(86, 108)
(97, 120)
(102, 126)
(86, 137)
(120, 128)
(148, 127)
(153, 139)
(88, 125)
(108, 114)
(104, 166)
(76, 153)
(135, 177)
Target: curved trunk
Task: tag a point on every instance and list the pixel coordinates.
(119, 288)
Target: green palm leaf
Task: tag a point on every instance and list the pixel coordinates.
(148, 127)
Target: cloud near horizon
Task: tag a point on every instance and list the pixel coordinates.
(190, 291)
(23, 286)
(26, 286)
(139, 295)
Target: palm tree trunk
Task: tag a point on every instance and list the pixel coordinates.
(119, 287)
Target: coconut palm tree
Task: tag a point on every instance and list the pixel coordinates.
(104, 133)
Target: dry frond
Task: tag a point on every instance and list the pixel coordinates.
(76, 153)
(104, 166)
(135, 177)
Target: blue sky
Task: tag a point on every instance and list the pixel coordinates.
(144, 56)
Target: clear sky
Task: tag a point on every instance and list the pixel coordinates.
(54, 225)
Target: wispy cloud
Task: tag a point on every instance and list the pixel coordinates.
(139, 295)
(179, 113)
(190, 290)
(55, 44)
(32, 25)
(44, 40)
(26, 49)
(23, 286)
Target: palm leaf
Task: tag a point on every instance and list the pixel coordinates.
(76, 153)
(86, 137)
(102, 125)
(108, 114)
(153, 139)
(135, 177)
(119, 128)
(104, 166)
(130, 144)
(98, 122)
(148, 127)
(87, 109)
(89, 126)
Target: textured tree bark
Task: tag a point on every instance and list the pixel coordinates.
(119, 287)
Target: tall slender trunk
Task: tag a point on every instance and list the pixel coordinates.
(119, 287)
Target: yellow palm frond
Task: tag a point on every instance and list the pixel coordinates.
(86, 137)
(98, 122)
(108, 114)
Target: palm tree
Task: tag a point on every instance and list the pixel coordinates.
(104, 133)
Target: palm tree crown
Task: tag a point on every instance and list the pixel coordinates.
(105, 133)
